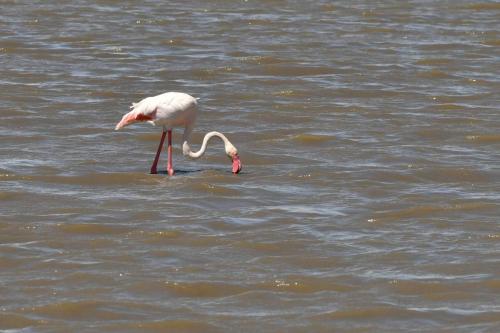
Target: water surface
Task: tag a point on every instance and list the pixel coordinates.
(368, 202)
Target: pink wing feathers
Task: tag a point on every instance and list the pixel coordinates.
(143, 111)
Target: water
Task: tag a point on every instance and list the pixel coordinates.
(368, 202)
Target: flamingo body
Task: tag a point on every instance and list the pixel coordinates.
(175, 109)
(171, 109)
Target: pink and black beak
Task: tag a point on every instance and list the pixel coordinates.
(236, 164)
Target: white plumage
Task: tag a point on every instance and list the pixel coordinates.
(172, 109)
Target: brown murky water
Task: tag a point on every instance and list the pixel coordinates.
(369, 198)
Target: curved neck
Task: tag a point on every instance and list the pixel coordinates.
(187, 150)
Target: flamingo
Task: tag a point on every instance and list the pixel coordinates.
(173, 109)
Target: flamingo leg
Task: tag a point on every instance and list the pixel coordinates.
(160, 146)
(170, 168)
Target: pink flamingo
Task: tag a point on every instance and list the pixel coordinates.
(170, 110)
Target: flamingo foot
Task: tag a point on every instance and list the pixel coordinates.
(153, 171)
(171, 172)
(236, 164)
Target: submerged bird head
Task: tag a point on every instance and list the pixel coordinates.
(232, 153)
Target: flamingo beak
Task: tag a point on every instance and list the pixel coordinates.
(236, 164)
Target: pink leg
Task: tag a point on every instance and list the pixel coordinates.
(170, 168)
(155, 163)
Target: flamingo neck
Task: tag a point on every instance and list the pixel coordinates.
(227, 145)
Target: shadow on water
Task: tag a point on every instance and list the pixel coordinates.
(192, 171)
(179, 171)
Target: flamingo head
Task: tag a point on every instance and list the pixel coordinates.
(236, 163)
(232, 153)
